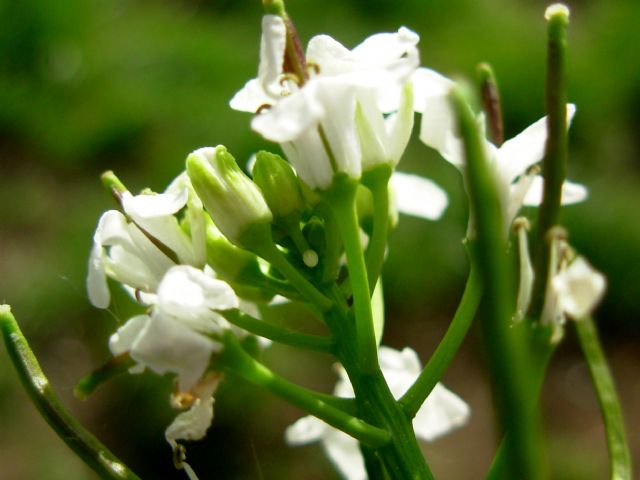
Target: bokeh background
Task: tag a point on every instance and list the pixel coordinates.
(89, 85)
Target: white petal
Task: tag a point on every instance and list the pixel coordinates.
(516, 155)
(428, 84)
(251, 97)
(579, 288)
(291, 116)
(399, 126)
(272, 47)
(339, 102)
(345, 454)
(124, 338)
(305, 430)
(372, 133)
(166, 345)
(97, 287)
(571, 193)
(189, 295)
(418, 196)
(440, 413)
(265, 90)
(154, 205)
(438, 129)
(310, 160)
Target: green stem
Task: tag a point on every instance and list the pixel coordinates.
(378, 182)
(270, 253)
(83, 443)
(372, 463)
(620, 458)
(507, 353)
(554, 164)
(112, 368)
(542, 355)
(448, 347)
(341, 198)
(236, 361)
(279, 334)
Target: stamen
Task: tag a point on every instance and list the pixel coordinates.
(262, 108)
(289, 77)
(521, 226)
(312, 66)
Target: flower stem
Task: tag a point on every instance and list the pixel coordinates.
(554, 164)
(620, 458)
(236, 361)
(271, 254)
(507, 350)
(377, 181)
(83, 443)
(341, 198)
(448, 347)
(279, 334)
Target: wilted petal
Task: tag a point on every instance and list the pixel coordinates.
(418, 196)
(192, 424)
(579, 288)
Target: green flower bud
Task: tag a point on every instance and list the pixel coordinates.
(234, 202)
(279, 185)
(228, 261)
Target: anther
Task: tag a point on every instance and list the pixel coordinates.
(262, 108)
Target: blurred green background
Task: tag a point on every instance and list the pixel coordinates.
(89, 85)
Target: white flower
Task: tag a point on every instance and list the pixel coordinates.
(315, 122)
(440, 413)
(417, 196)
(579, 288)
(511, 162)
(137, 249)
(174, 337)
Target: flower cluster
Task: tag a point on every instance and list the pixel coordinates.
(205, 256)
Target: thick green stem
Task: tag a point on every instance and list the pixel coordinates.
(341, 198)
(378, 182)
(507, 350)
(542, 353)
(235, 360)
(448, 347)
(279, 334)
(554, 164)
(619, 456)
(85, 445)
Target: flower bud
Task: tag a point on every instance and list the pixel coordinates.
(234, 202)
(228, 261)
(279, 185)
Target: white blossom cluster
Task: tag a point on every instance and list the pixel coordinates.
(353, 112)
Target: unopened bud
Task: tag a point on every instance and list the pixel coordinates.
(279, 185)
(234, 202)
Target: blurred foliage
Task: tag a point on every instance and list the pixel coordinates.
(87, 85)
